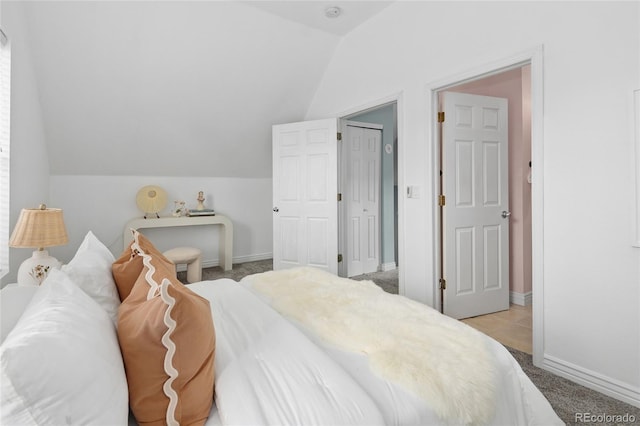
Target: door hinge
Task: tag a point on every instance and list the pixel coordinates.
(339, 258)
(441, 117)
(441, 200)
(339, 136)
(339, 196)
(443, 284)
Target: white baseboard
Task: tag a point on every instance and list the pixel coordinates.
(522, 299)
(596, 381)
(388, 266)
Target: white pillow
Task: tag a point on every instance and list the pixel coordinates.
(90, 269)
(61, 364)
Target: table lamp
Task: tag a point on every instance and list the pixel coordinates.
(151, 199)
(38, 228)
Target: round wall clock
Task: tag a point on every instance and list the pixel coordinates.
(151, 199)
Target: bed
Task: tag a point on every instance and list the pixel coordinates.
(107, 341)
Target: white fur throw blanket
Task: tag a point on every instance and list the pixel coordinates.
(440, 359)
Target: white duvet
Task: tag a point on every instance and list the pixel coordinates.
(436, 358)
(269, 373)
(272, 370)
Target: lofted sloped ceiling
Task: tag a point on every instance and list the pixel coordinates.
(158, 88)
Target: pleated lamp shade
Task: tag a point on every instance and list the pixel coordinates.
(151, 199)
(39, 228)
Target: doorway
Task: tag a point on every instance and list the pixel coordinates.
(383, 116)
(305, 182)
(513, 84)
(534, 58)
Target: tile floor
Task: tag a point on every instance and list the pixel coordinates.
(512, 328)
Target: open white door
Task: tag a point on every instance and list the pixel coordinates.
(476, 211)
(305, 188)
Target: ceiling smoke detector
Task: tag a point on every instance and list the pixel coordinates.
(332, 12)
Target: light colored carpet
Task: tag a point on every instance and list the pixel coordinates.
(387, 280)
(569, 400)
(239, 271)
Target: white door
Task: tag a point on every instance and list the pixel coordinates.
(476, 211)
(361, 195)
(305, 187)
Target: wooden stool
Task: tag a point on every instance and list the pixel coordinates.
(192, 257)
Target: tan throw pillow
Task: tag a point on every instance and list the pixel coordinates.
(128, 266)
(167, 339)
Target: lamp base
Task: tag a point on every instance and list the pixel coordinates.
(35, 269)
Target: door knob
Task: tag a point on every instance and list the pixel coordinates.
(275, 209)
(506, 214)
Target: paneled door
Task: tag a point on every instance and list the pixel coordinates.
(305, 182)
(476, 211)
(362, 157)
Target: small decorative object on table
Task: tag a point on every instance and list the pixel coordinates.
(179, 208)
(200, 210)
(200, 201)
(203, 212)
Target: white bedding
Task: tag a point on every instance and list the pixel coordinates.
(302, 379)
(274, 370)
(405, 343)
(268, 372)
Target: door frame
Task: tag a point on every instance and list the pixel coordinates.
(533, 57)
(398, 99)
(343, 181)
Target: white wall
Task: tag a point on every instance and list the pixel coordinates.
(104, 204)
(192, 86)
(29, 160)
(591, 275)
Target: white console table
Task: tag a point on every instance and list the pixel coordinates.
(226, 233)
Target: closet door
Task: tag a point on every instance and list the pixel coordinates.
(363, 156)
